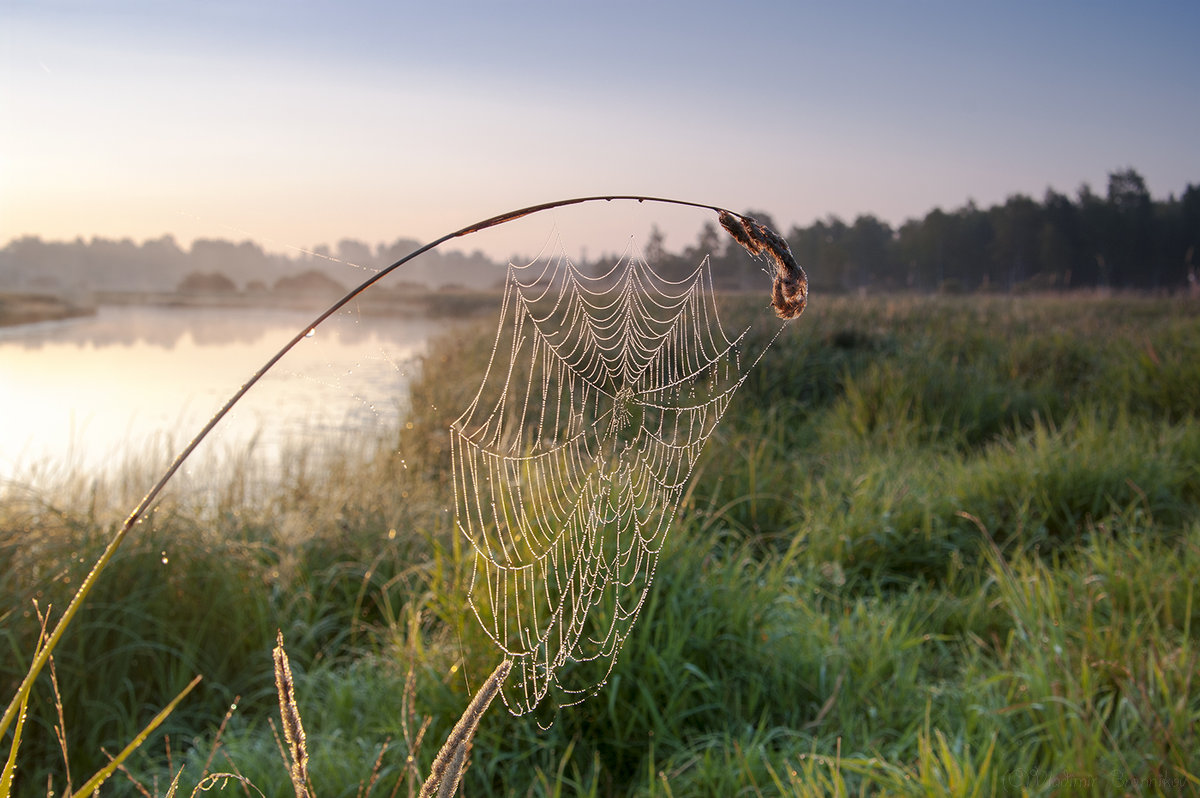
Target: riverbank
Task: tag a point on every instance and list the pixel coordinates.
(377, 301)
(18, 308)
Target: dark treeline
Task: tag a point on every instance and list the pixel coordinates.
(1124, 239)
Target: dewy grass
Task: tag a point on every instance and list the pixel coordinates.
(981, 607)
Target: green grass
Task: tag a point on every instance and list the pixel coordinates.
(939, 546)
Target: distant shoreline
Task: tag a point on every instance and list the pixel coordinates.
(21, 308)
(28, 308)
(378, 302)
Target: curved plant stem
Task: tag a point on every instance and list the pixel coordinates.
(139, 512)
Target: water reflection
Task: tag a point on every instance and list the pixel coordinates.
(92, 393)
(167, 327)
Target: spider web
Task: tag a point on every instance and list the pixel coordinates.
(571, 461)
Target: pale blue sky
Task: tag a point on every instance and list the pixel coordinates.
(297, 124)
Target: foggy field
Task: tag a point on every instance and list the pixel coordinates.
(939, 545)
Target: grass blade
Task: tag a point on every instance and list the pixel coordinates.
(95, 781)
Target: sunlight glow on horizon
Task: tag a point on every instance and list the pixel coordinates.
(241, 123)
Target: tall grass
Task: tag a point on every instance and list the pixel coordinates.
(938, 547)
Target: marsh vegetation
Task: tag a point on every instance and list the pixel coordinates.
(939, 546)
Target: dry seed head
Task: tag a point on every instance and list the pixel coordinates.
(289, 713)
(789, 293)
(450, 762)
(454, 771)
(736, 227)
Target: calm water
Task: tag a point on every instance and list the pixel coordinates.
(136, 382)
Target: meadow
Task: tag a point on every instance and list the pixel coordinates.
(939, 546)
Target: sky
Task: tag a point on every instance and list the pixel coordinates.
(296, 124)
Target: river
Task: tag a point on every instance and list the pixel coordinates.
(95, 394)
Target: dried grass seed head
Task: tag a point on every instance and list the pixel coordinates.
(736, 226)
(289, 713)
(789, 292)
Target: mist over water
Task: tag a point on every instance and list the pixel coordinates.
(129, 384)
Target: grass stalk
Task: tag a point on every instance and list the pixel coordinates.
(293, 729)
(451, 760)
(93, 784)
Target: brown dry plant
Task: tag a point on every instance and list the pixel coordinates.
(289, 713)
(451, 761)
(789, 291)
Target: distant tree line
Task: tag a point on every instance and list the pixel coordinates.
(101, 264)
(81, 266)
(1124, 239)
